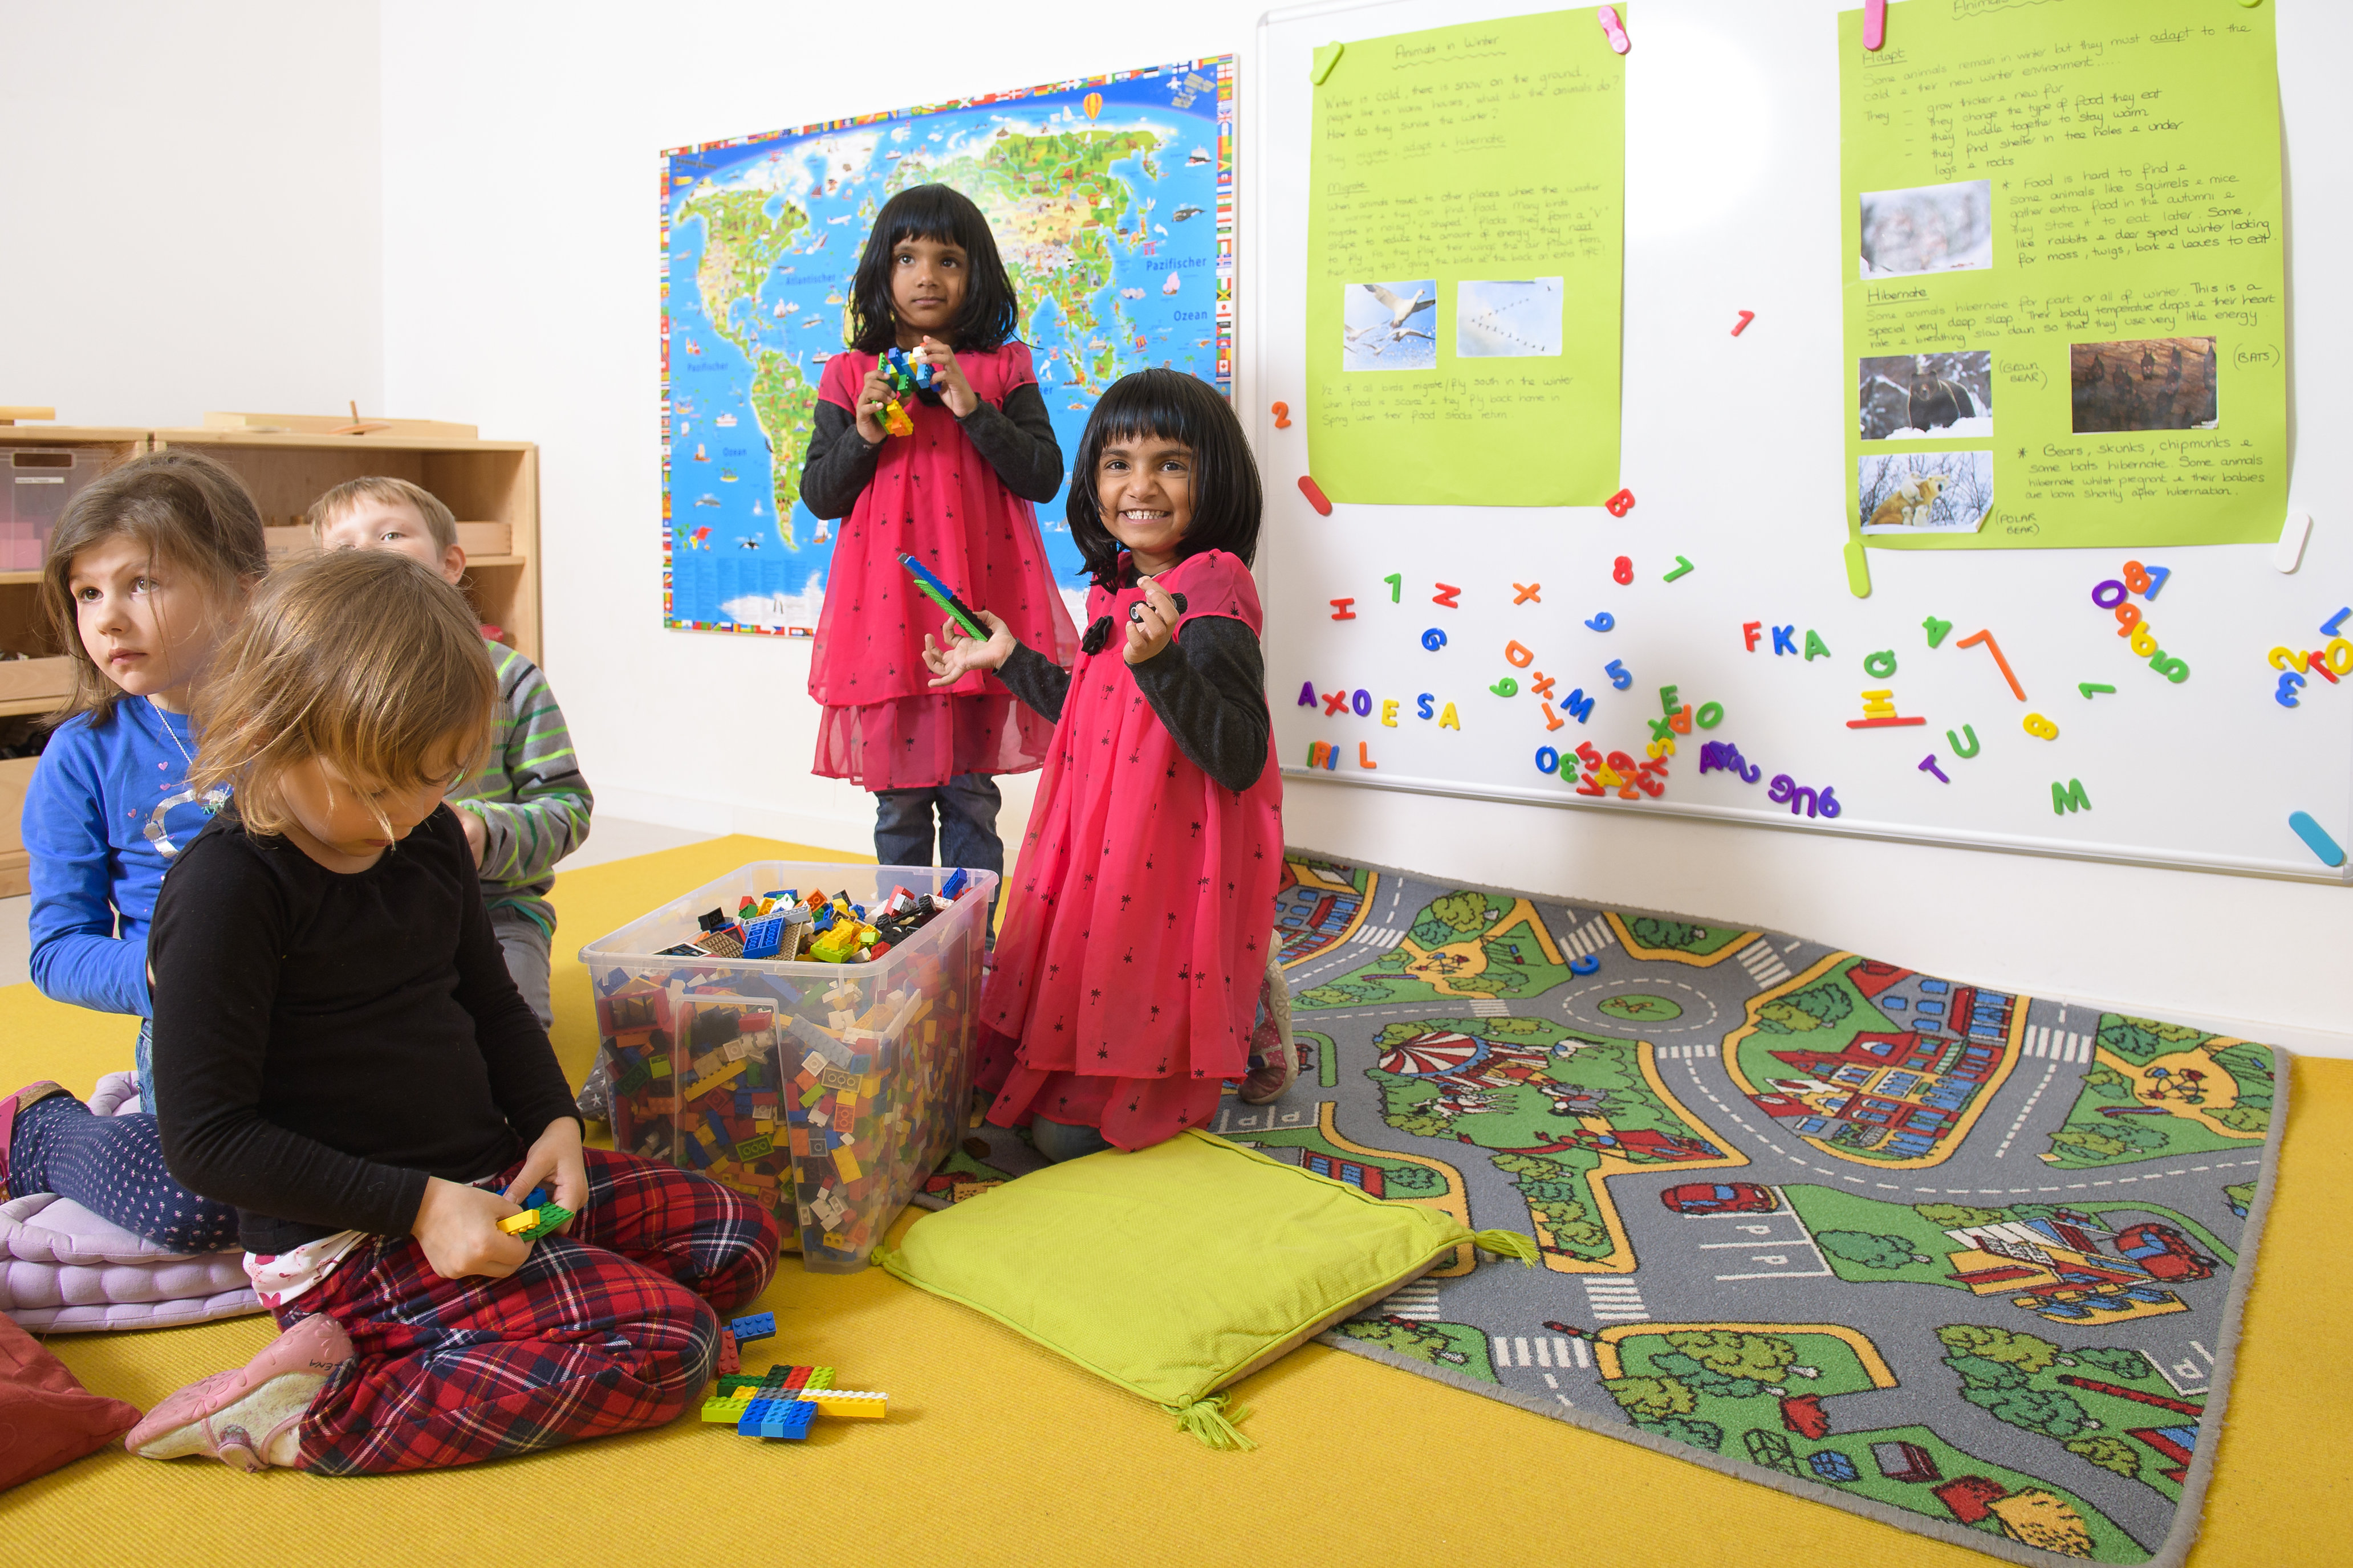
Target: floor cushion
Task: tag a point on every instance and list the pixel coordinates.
(1178, 1270)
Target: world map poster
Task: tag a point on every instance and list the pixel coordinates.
(1112, 200)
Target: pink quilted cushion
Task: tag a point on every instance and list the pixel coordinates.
(64, 1270)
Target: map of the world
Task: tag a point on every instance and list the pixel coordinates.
(1112, 201)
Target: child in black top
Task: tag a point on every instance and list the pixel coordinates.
(348, 1063)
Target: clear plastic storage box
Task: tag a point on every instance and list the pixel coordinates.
(828, 1091)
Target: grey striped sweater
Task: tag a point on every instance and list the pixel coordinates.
(533, 804)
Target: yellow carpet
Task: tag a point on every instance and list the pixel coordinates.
(999, 1453)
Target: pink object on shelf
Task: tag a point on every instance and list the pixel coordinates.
(1874, 22)
(1616, 29)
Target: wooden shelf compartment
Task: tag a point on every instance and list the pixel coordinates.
(484, 481)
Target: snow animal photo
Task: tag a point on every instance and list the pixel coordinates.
(1927, 228)
(1909, 397)
(1925, 492)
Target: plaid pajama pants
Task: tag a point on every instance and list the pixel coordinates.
(610, 1329)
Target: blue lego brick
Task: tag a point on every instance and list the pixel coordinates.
(784, 989)
(764, 936)
(957, 883)
(791, 1423)
(754, 1326)
(777, 1418)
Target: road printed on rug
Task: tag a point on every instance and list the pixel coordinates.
(1954, 1256)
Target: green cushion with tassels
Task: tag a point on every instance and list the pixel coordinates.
(1179, 1269)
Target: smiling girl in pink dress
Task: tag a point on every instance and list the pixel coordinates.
(1135, 940)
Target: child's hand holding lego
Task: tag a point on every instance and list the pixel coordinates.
(957, 656)
(873, 396)
(948, 377)
(1151, 623)
(555, 1160)
(457, 1227)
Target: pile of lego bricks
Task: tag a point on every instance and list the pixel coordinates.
(872, 1074)
(782, 1401)
(775, 926)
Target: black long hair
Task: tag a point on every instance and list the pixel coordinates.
(945, 215)
(1173, 407)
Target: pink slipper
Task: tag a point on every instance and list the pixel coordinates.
(249, 1418)
(9, 1109)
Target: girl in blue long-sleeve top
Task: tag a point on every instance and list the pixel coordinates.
(147, 571)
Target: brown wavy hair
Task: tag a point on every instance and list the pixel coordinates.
(192, 515)
(363, 657)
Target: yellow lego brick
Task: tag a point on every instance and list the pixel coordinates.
(516, 1224)
(854, 1404)
(702, 1087)
(846, 1163)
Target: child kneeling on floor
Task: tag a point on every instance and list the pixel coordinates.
(342, 1055)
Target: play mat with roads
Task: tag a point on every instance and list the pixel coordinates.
(1966, 1261)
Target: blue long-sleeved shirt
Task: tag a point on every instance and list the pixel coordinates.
(95, 872)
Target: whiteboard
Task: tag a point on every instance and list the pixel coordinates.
(1732, 204)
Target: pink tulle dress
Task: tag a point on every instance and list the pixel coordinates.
(936, 498)
(1137, 922)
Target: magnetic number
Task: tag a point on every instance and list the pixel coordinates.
(1624, 571)
(2042, 729)
(2112, 601)
(2143, 642)
(2128, 617)
(1397, 585)
(2137, 577)
(1619, 676)
(1433, 640)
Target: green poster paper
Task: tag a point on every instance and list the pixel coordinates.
(1464, 266)
(2063, 255)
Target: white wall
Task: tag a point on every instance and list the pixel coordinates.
(519, 190)
(190, 214)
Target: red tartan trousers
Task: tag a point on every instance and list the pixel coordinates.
(610, 1329)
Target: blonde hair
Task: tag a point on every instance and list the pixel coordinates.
(438, 522)
(187, 511)
(361, 657)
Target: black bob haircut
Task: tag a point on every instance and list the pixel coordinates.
(946, 216)
(1173, 407)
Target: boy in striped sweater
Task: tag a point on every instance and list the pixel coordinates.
(528, 806)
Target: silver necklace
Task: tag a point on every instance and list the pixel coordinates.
(156, 832)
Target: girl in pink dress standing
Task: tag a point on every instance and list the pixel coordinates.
(1135, 943)
(956, 494)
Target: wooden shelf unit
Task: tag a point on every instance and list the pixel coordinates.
(480, 481)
